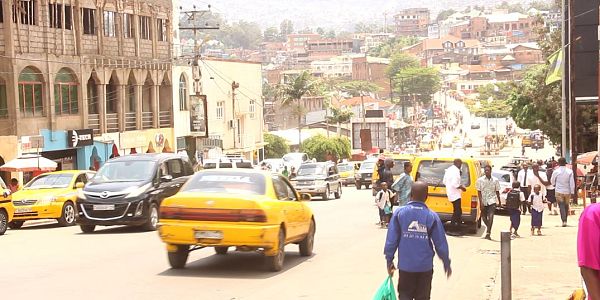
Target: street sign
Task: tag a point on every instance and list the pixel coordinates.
(80, 138)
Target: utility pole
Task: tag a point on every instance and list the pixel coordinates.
(234, 86)
(566, 82)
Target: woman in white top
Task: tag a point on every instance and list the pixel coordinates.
(537, 201)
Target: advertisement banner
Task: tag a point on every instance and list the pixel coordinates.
(198, 113)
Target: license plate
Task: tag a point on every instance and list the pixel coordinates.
(209, 234)
(104, 207)
(23, 210)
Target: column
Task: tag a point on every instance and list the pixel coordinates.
(121, 95)
(154, 105)
(101, 88)
(138, 104)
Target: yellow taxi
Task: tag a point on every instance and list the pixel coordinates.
(399, 160)
(49, 196)
(347, 171)
(250, 210)
(6, 207)
(431, 170)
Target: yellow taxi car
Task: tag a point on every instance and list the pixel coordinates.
(6, 207)
(399, 160)
(347, 171)
(49, 196)
(251, 210)
(431, 170)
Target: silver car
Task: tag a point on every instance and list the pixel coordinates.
(506, 180)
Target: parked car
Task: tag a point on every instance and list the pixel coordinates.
(364, 175)
(347, 171)
(49, 196)
(318, 179)
(247, 209)
(128, 190)
(506, 178)
(475, 125)
(6, 207)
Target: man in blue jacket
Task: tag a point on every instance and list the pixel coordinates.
(414, 231)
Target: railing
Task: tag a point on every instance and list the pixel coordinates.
(164, 119)
(94, 123)
(112, 122)
(147, 121)
(130, 121)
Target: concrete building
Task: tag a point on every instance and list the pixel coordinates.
(428, 49)
(372, 69)
(328, 48)
(338, 66)
(104, 69)
(412, 22)
(297, 41)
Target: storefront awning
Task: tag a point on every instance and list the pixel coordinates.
(29, 163)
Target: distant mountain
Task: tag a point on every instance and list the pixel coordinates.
(329, 14)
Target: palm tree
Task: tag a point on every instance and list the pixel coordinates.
(293, 91)
(360, 88)
(339, 116)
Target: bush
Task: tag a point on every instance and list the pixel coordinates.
(323, 148)
(277, 146)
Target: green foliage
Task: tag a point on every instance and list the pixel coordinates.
(241, 34)
(362, 27)
(271, 34)
(393, 46)
(517, 7)
(444, 14)
(498, 107)
(399, 62)
(359, 88)
(421, 82)
(286, 27)
(323, 148)
(276, 146)
(320, 31)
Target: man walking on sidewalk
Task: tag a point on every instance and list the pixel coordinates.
(454, 189)
(522, 177)
(488, 190)
(564, 186)
(414, 232)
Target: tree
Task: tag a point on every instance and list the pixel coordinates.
(242, 34)
(492, 101)
(321, 31)
(399, 62)
(360, 89)
(444, 14)
(323, 148)
(330, 34)
(276, 146)
(271, 34)
(362, 27)
(293, 91)
(517, 7)
(286, 27)
(393, 46)
(422, 83)
(339, 116)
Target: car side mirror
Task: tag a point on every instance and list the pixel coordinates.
(79, 185)
(166, 178)
(305, 197)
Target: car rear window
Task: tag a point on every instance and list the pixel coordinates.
(244, 165)
(367, 166)
(432, 172)
(344, 168)
(227, 182)
(398, 166)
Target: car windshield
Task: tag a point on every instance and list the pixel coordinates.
(502, 177)
(367, 166)
(125, 171)
(311, 169)
(345, 168)
(226, 182)
(50, 181)
(432, 172)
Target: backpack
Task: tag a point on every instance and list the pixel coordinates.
(513, 199)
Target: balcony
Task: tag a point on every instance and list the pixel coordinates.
(164, 119)
(130, 121)
(147, 122)
(112, 123)
(94, 123)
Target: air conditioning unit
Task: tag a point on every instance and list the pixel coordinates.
(231, 124)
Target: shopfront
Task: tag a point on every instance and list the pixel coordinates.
(75, 149)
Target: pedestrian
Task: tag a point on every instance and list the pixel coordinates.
(383, 200)
(402, 185)
(550, 190)
(385, 174)
(414, 232)
(14, 185)
(454, 189)
(523, 151)
(293, 172)
(522, 178)
(488, 190)
(285, 172)
(514, 198)
(588, 249)
(537, 200)
(564, 185)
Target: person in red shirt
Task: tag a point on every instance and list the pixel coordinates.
(588, 249)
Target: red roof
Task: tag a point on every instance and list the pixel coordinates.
(355, 101)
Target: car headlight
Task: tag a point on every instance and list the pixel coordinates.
(138, 191)
(139, 209)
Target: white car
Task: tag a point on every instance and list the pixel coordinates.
(506, 180)
(295, 159)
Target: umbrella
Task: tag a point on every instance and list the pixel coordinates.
(587, 158)
(150, 148)
(29, 163)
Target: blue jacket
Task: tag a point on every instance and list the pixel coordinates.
(414, 231)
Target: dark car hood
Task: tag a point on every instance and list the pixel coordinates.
(99, 187)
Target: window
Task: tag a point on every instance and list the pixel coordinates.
(65, 93)
(110, 25)
(252, 109)
(3, 101)
(182, 93)
(144, 27)
(128, 29)
(220, 113)
(161, 30)
(1, 13)
(26, 12)
(30, 93)
(175, 168)
(432, 172)
(55, 12)
(89, 20)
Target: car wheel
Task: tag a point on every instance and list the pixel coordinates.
(473, 228)
(178, 258)
(68, 215)
(15, 224)
(306, 245)
(152, 220)
(358, 186)
(3, 221)
(221, 250)
(338, 193)
(87, 228)
(275, 263)
(325, 195)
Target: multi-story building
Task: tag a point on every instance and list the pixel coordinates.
(338, 66)
(80, 68)
(372, 69)
(368, 41)
(297, 41)
(429, 49)
(328, 48)
(412, 22)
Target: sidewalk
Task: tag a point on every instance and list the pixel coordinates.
(544, 267)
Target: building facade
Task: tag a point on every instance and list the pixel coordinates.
(412, 22)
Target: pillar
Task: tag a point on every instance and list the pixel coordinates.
(154, 92)
(139, 105)
(101, 88)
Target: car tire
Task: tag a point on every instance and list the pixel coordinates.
(338, 193)
(152, 220)
(67, 217)
(325, 195)
(473, 228)
(221, 250)
(3, 221)
(87, 228)
(306, 245)
(275, 263)
(178, 258)
(15, 224)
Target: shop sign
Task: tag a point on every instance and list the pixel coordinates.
(198, 113)
(31, 143)
(80, 138)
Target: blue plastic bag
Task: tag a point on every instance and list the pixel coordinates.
(386, 291)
